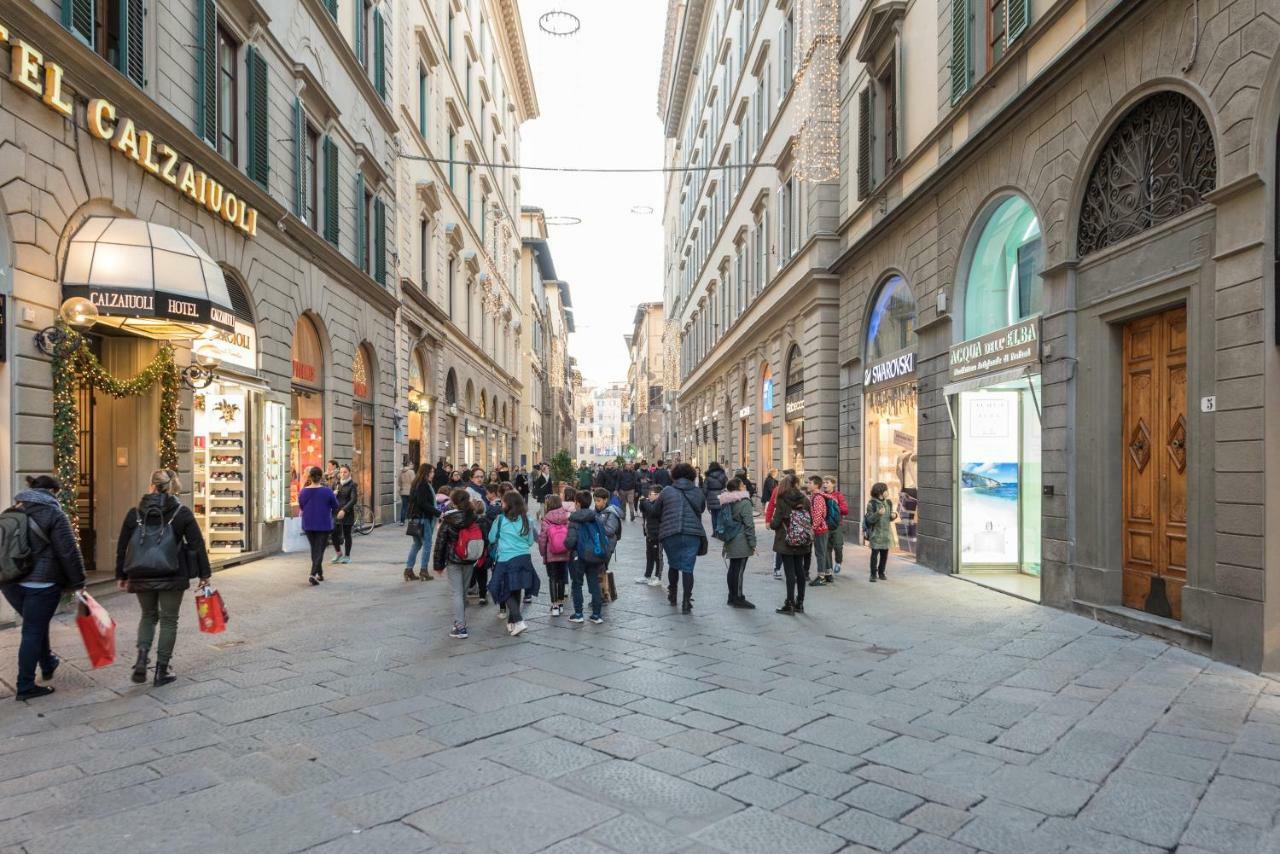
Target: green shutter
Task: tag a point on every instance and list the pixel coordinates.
(256, 123)
(359, 30)
(299, 159)
(207, 71)
(864, 143)
(132, 38)
(380, 241)
(362, 238)
(1019, 17)
(330, 191)
(332, 6)
(78, 17)
(422, 101)
(379, 60)
(959, 48)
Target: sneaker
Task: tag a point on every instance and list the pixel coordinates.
(555, 610)
(528, 600)
(460, 632)
(336, 559)
(315, 580)
(655, 582)
(502, 613)
(643, 580)
(346, 558)
(818, 582)
(576, 618)
(837, 569)
(597, 619)
(777, 575)
(509, 627)
(519, 627)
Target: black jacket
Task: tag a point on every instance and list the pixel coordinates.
(439, 478)
(609, 479)
(781, 515)
(628, 480)
(713, 484)
(451, 524)
(60, 561)
(662, 477)
(541, 486)
(190, 539)
(680, 508)
(770, 484)
(652, 516)
(522, 484)
(422, 502)
(348, 494)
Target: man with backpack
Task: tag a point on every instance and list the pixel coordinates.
(588, 545)
(459, 544)
(39, 559)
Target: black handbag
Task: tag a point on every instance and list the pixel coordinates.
(702, 538)
(415, 528)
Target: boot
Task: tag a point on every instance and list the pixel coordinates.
(673, 581)
(163, 675)
(140, 667)
(409, 574)
(873, 576)
(686, 579)
(686, 607)
(743, 603)
(787, 608)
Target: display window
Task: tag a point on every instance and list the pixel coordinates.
(362, 424)
(419, 419)
(222, 451)
(1003, 284)
(793, 433)
(306, 413)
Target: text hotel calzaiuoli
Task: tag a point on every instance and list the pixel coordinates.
(29, 70)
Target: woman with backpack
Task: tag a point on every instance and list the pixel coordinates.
(681, 506)
(345, 519)
(458, 546)
(877, 527)
(421, 515)
(737, 529)
(792, 524)
(34, 587)
(317, 505)
(555, 554)
(160, 549)
(513, 578)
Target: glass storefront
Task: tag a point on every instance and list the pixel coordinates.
(419, 420)
(362, 447)
(793, 427)
(222, 466)
(766, 421)
(306, 413)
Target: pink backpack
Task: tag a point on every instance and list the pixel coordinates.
(556, 549)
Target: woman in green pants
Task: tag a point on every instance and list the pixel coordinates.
(160, 550)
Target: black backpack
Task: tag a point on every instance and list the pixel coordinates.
(153, 548)
(21, 539)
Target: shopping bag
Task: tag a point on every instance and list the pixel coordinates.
(97, 629)
(211, 613)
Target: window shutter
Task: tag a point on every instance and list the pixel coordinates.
(864, 143)
(330, 191)
(362, 249)
(131, 36)
(959, 48)
(207, 71)
(1019, 17)
(359, 32)
(380, 241)
(259, 165)
(299, 159)
(332, 6)
(379, 59)
(78, 17)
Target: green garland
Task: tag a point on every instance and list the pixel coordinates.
(73, 365)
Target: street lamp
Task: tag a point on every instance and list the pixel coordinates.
(76, 313)
(200, 374)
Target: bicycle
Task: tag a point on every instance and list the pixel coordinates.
(363, 519)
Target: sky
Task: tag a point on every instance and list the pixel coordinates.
(597, 93)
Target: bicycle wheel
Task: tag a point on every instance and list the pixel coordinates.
(364, 519)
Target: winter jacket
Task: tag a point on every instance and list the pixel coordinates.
(781, 515)
(841, 502)
(818, 507)
(453, 521)
(508, 539)
(584, 478)
(738, 504)
(770, 484)
(558, 518)
(628, 481)
(541, 486)
(60, 561)
(522, 484)
(318, 505)
(439, 478)
(713, 484)
(662, 477)
(651, 512)
(609, 479)
(406, 479)
(577, 519)
(681, 506)
(185, 529)
(882, 530)
(611, 519)
(348, 495)
(422, 502)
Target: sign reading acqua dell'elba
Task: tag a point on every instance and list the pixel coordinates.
(1006, 348)
(29, 70)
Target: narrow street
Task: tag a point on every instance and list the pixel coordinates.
(924, 714)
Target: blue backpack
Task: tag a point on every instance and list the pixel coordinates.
(727, 527)
(592, 546)
(833, 514)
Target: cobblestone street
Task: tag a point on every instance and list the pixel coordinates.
(924, 714)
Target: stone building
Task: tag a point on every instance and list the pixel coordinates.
(1057, 294)
(536, 269)
(646, 386)
(559, 420)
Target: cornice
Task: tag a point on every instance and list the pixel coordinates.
(514, 40)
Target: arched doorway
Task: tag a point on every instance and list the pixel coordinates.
(793, 425)
(744, 419)
(766, 420)
(469, 427)
(363, 444)
(307, 405)
(450, 451)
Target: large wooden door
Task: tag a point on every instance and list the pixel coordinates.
(1155, 462)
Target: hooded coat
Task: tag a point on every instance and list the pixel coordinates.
(558, 517)
(577, 519)
(714, 484)
(786, 503)
(451, 524)
(60, 562)
(738, 504)
(185, 528)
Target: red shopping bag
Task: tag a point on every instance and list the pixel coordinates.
(97, 629)
(210, 611)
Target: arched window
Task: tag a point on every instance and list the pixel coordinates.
(307, 415)
(891, 327)
(1003, 285)
(766, 394)
(1159, 162)
(795, 372)
(363, 381)
(451, 388)
(241, 304)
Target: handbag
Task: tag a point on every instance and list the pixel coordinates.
(702, 537)
(414, 528)
(97, 630)
(211, 611)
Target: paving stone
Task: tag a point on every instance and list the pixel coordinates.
(623, 745)
(1219, 834)
(929, 790)
(998, 837)
(1244, 801)
(644, 683)
(494, 694)
(635, 836)
(712, 775)
(826, 757)
(1039, 790)
(811, 809)
(909, 754)
(580, 707)
(1159, 760)
(571, 728)
(386, 839)
(759, 791)
(870, 830)
(549, 758)
(584, 666)
(1250, 768)
(818, 780)
(936, 819)
(927, 843)
(1143, 807)
(669, 760)
(704, 721)
(759, 712)
(843, 735)
(881, 800)
(645, 726)
(697, 741)
(482, 726)
(748, 757)
(755, 831)
(760, 738)
(1080, 838)
(671, 802)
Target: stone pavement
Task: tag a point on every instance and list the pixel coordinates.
(925, 714)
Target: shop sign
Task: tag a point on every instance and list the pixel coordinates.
(795, 407)
(900, 368)
(239, 347)
(1006, 348)
(303, 371)
(29, 70)
(744, 412)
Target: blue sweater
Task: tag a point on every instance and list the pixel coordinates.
(506, 535)
(318, 505)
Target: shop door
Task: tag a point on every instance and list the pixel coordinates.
(1155, 462)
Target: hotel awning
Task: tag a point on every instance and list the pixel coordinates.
(149, 279)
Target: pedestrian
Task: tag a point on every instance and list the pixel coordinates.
(821, 531)
(513, 580)
(422, 515)
(348, 494)
(55, 564)
(652, 516)
(459, 544)
(555, 553)
(792, 525)
(480, 569)
(878, 524)
(835, 542)
(503, 473)
(737, 529)
(661, 476)
(159, 551)
(628, 483)
(318, 505)
(333, 475)
(712, 486)
(455, 481)
(770, 484)
(405, 480)
(475, 485)
(440, 477)
(584, 475)
(522, 483)
(609, 510)
(680, 507)
(588, 547)
(770, 505)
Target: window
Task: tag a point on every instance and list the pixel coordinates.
(453, 139)
(330, 150)
(367, 232)
(786, 47)
(1003, 284)
(988, 35)
(423, 86)
(311, 180)
(878, 129)
(996, 22)
(113, 29)
(449, 36)
(786, 223)
(424, 252)
(468, 93)
(361, 31)
(470, 176)
(228, 113)
(469, 300)
(452, 280)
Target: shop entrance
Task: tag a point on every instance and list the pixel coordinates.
(1155, 462)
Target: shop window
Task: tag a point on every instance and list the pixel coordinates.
(793, 409)
(306, 417)
(363, 460)
(1003, 284)
(891, 326)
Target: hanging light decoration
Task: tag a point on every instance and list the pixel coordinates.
(818, 80)
(559, 23)
(642, 210)
(563, 220)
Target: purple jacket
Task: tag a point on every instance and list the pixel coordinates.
(318, 504)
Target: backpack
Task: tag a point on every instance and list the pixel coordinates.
(799, 532)
(833, 514)
(21, 538)
(870, 519)
(593, 545)
(469, 547)
(153, 548)
(727, 527)
(556, 535)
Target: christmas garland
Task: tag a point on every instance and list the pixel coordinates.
(73, 365)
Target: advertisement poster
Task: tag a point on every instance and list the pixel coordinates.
(274, 463)
(990, 486)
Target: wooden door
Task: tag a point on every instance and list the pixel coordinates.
(1155, 462)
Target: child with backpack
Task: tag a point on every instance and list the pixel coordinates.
(555, 553)
(835, 543)
(609, 507)
(589, 546)
(459, 545)
(821, 531)
(735, 527)
(877, 529)
(792, 524)
(652, 517)
(510, 537)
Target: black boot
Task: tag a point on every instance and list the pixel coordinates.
(409, 574)
(743, 603)
(163, 675)
(686, 606)
(787, 608)
(140, 667)
(673, 580)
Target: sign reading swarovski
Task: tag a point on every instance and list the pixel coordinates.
(899, 368)
(1006, 348)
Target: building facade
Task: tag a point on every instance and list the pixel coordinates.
(536, 269)
(646, 385)
(1057, 287)
(748, 244)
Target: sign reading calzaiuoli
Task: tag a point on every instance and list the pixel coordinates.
(1006, 348)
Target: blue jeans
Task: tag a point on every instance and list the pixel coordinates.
(682, 551)
(577, 570)
(37, 606)
(404, 509)
(421, 544)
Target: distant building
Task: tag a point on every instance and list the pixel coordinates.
(646, 383)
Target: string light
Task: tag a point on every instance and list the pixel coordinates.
(818, 79)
